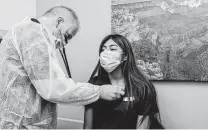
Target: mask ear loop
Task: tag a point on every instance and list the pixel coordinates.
(125, 58)
(63, 54)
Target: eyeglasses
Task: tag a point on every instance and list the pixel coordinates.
(68, 37)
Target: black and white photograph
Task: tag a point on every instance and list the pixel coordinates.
(104, 64)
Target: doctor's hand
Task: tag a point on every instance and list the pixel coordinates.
(111, 92)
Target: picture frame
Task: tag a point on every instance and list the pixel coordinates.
(169, 38)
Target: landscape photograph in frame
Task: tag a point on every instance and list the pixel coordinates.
(169, 37)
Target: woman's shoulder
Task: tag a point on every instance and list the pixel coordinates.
(93, 80)
(97, 81)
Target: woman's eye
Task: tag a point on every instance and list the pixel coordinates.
(113, 49)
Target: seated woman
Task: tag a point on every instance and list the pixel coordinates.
(138, 108)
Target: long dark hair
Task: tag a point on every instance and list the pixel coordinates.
(137, 85)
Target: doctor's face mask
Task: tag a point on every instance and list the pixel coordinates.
(64, 32)
(111, 56)
(62, 40)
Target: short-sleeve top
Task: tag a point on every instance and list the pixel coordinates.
(112, 114)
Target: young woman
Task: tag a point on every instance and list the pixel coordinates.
(138, 108)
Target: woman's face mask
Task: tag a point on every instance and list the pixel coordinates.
(110, 60)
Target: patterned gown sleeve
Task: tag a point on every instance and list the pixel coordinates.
(45, 72)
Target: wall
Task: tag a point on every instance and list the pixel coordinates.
(182, 104)
(12, 11)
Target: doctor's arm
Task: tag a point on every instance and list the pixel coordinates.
(50, 82)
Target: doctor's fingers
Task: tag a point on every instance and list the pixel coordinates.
(113, 97)
(120, 90)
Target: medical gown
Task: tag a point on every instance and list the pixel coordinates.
(32, 81)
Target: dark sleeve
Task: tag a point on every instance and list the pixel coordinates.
(147, 106)
(88, 118)
(89, 112)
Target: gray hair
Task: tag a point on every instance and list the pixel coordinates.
(53, 12)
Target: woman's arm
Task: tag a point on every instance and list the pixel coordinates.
(88, 118)
(144, 124)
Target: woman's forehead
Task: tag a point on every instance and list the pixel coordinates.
(110, 43)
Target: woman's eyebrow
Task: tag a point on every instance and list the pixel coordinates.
(113, 45)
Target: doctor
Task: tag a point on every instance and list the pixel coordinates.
(31, 80)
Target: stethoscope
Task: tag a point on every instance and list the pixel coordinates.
(62, 52)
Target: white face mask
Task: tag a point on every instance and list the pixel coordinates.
(58, 42)
(110, 60)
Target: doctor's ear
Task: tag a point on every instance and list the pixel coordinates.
(59, 20)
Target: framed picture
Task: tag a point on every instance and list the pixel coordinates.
(169, 38)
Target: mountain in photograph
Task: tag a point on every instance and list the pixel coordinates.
(170, 38)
